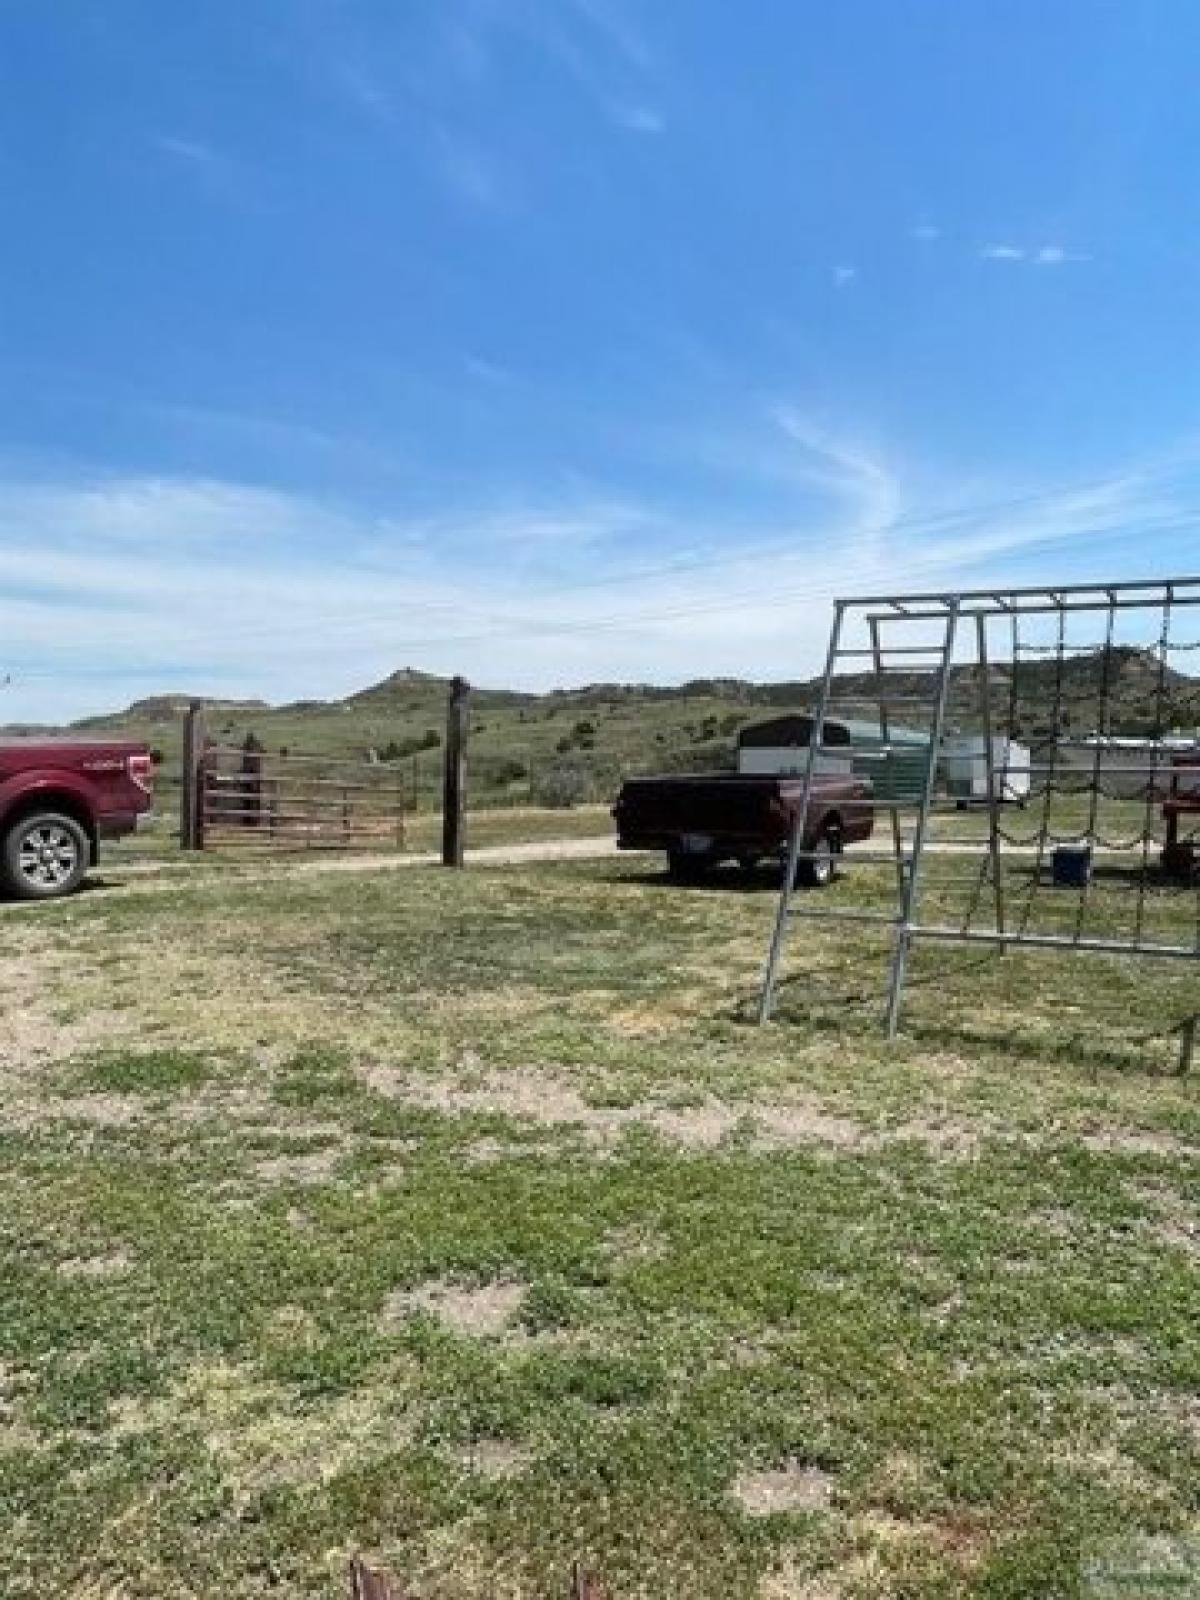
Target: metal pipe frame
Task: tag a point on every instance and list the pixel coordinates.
(766, 1000)
(1148, 592)
(886, 735)
(946, 934)
(949, 610)
(910, 894)
(1049, 609)
(1051, 941)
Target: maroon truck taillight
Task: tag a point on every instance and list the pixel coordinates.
(141, 770)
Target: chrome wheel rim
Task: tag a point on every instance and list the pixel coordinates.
(823, 862)
(47, 856)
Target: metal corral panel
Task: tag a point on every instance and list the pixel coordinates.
(898, 776)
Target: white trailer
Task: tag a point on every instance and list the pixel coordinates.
(1126, 768)
(964, 768)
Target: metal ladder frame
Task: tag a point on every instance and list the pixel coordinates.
(816, 738)
(908, 865)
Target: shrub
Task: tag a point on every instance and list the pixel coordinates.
(401, 749)
(509, 770)
(561, 787)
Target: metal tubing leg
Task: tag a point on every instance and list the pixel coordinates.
(909, 898)
(816, 738)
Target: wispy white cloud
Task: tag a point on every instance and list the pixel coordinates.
(844, 276)
(487, 371)
(210, 431)
(638, 119)
(1046, 255)
(594, 41)
(856, 478)
(614, 24)
(926, 232)
(1055, 255)
(471, 174)
(193, 151)
(209, 168)
(1002, 252)
(115, 587)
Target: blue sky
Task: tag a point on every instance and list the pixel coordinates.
(562, 340)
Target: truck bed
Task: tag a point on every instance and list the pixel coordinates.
(729, 816)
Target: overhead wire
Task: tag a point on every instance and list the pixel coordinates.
(524, 626)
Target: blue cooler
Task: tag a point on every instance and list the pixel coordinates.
(1073, 866)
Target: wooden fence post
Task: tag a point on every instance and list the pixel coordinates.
(454, 788)
(191, 782)
(1187, 1044)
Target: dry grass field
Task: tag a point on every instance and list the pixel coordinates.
(465, 1221)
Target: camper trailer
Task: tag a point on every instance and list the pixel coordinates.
(1126, 768)
(779, 748)
(965, 769)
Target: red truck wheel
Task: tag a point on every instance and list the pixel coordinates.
(45, 855)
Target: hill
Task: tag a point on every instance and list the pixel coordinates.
(162, 708)
(595, 734)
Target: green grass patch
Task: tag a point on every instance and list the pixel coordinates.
(467, 1221)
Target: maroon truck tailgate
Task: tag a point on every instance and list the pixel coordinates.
(727, 805)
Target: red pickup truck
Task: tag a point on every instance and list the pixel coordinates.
(58, 798)
(703, 821)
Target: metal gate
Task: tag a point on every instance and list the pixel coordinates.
(248, 796)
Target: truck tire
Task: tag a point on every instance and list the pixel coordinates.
(44, 855)
(819, 868)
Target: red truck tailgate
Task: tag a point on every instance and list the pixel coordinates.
(725, 805)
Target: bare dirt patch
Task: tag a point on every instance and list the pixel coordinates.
(482, 1311)
(33, 1028)
(1174, 1221)
(789, 1582)
(1138, 1144)
(552, 1103)
(104, 1266)
(313, 1166)
(97, 1110)
(795, 1486)
(256, 1432)
(25, 1111)
(494, 1458)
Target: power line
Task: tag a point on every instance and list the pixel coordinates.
(622, 621)
(515, 627)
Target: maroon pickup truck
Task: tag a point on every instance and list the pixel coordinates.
(59, 797)
(703, 821)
